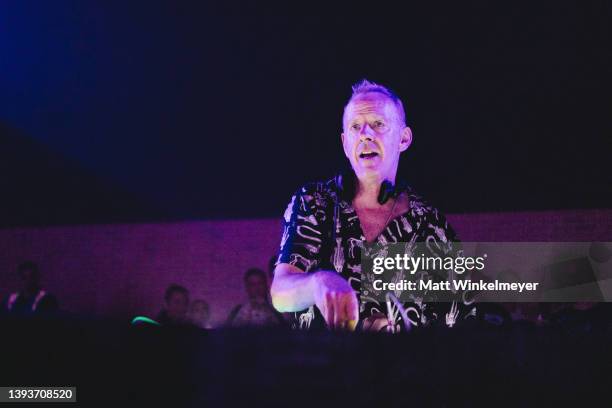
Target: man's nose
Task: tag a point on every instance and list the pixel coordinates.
(366, 132)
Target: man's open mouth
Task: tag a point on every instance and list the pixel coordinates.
(367, 155)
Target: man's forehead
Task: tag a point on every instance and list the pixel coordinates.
(370, 103)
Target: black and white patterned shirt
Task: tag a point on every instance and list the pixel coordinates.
(312, 242)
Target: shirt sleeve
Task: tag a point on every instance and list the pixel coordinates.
(304, 230)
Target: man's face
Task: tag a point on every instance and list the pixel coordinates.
(374, 136)
(199, 312)
(256, 288)
(176, 306)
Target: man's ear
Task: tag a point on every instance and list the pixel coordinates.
(406, 139)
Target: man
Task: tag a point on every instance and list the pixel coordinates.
(31, 298)
(257, 312)
(318, 273)
(177, 304)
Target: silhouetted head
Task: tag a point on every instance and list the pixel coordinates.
(256, 285)
(177, 303)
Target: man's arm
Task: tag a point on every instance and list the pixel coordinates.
(294, 290)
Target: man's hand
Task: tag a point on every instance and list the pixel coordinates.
(336, 300)
(294, 290)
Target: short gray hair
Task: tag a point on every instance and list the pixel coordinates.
(364, 86)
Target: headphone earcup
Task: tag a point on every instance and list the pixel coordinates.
(387, 190)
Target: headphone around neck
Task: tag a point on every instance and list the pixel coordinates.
(347, 185)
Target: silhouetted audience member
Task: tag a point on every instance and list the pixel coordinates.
(199, 314)
(31, 298)
(257, 312)
(177, 304)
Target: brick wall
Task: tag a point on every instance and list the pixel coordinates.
(122, 270)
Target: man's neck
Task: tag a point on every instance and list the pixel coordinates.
(368, 190)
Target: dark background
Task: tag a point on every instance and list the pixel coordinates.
(125, 112)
